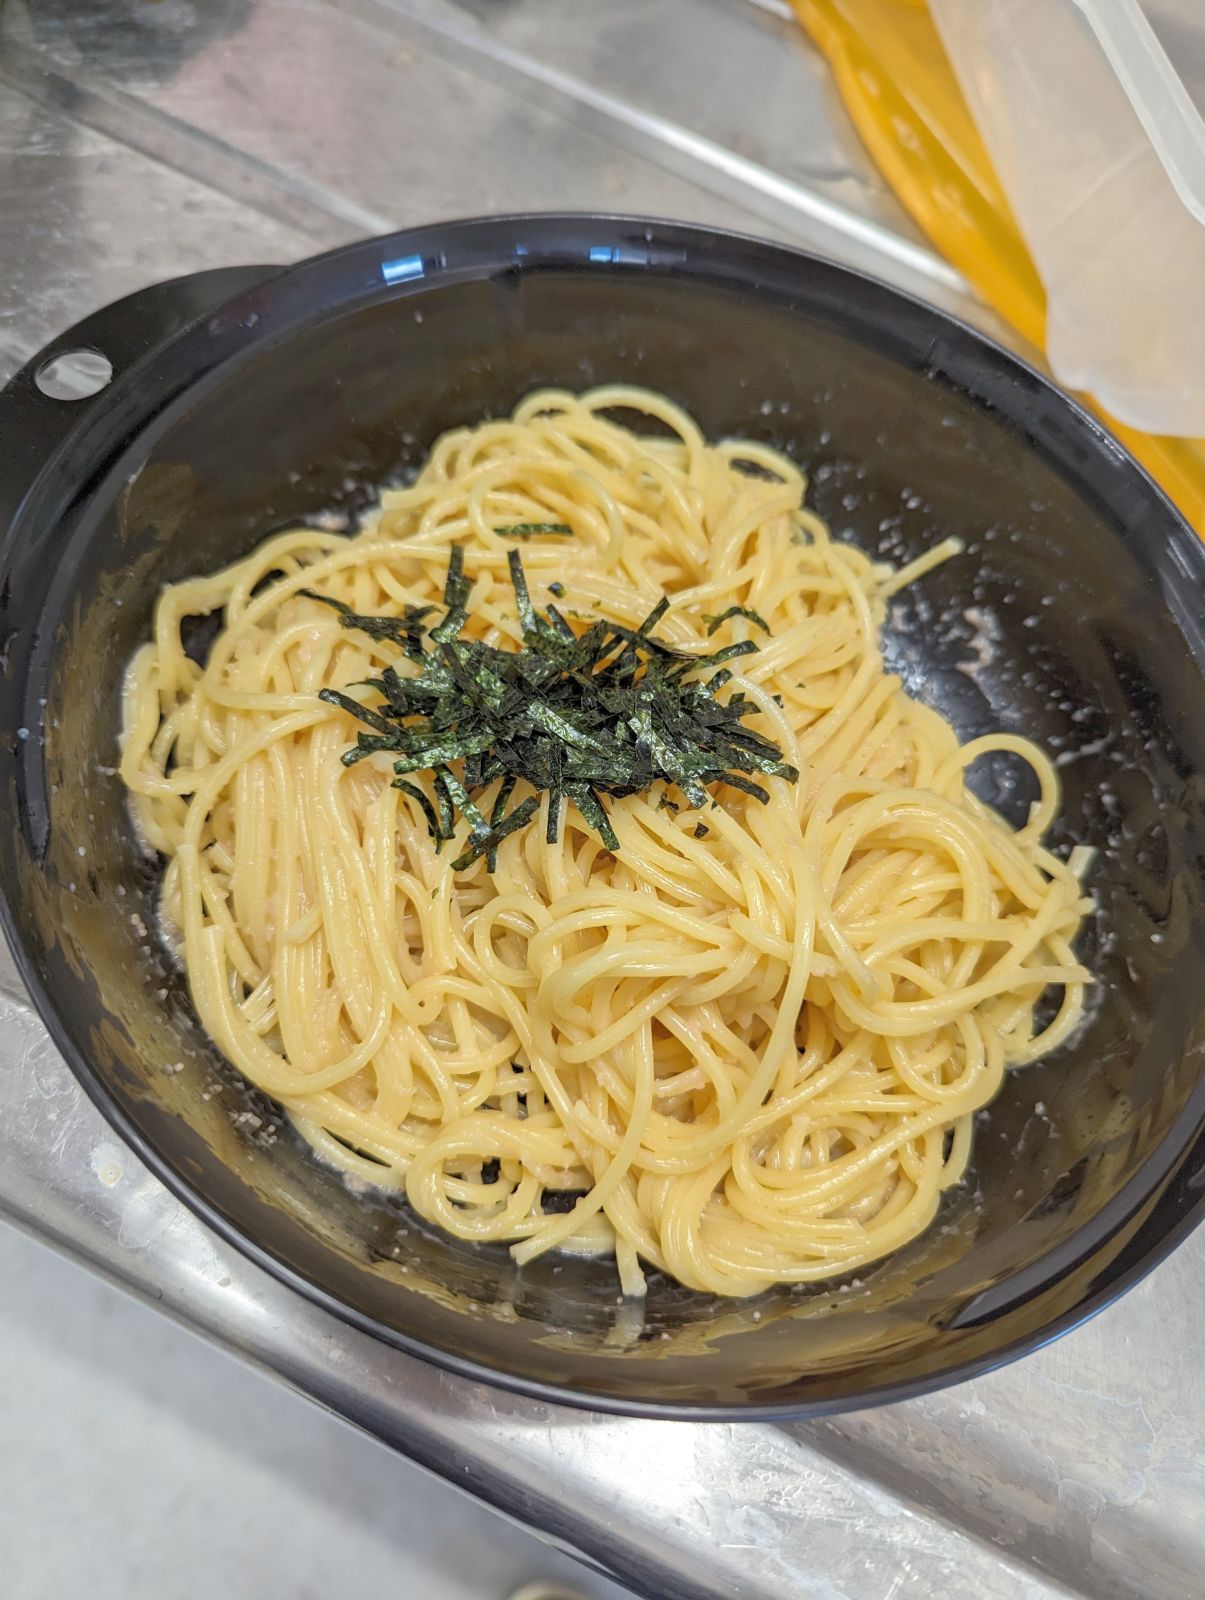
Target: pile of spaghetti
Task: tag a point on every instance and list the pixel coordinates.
(736, 1035)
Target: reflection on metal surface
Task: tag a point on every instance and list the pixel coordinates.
(166, 138)
(795, 207)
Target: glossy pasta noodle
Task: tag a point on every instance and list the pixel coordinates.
(745, 1058)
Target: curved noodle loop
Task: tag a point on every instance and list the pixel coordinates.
(746, 1046)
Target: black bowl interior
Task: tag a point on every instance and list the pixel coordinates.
(1066, 619)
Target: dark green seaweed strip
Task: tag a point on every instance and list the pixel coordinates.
(413, 790)
(519, 817)
(529, 530)
(736, 611)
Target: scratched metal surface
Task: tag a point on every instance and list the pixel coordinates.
(140, 140)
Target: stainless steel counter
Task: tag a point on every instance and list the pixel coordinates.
(139, 140)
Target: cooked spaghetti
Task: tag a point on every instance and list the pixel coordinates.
(741, 1043)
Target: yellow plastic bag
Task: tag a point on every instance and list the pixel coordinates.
(904, 100)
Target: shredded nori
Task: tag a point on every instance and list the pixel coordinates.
(611, 711)
(736, 611)
(531, 530)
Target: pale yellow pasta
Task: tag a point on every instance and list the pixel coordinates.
(754, 1052)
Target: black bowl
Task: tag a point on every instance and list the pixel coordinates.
(1077, 617)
